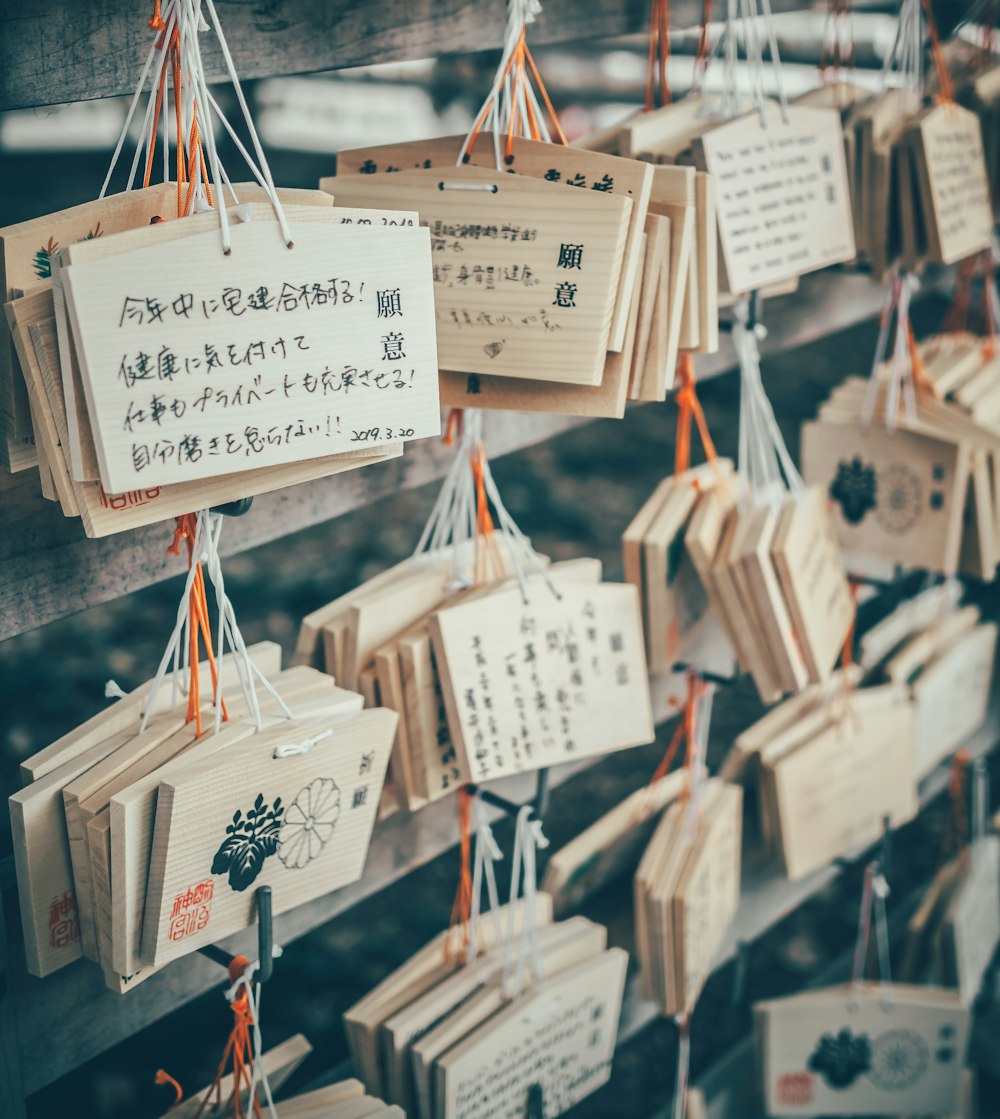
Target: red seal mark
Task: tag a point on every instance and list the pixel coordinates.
(191, 911)
(64, 926)
(796, 1088)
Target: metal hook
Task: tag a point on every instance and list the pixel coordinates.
(265, 939)
(234, 508)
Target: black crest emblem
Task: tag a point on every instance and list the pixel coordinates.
(841, 1058)
(855, 489)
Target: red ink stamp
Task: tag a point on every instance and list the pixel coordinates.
(796, 1088)
(64, 927)
(129, 500)
(191, 911)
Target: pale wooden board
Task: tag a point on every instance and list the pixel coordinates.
(834, 790)
(952, 694)
(517, 329)
(908, 522)
(287, 421)
(708, 894)
(954, 185)
(575, 940)
(195, 806)
(132, 810)
(536, 709)
(517, 394)
(811, 569)
(795, 168)
(652, 297)
(576, 167)
(561, 1035)
(105, 514)
(707, 245)
(25, 255)
(917, 1045)
(972, 922)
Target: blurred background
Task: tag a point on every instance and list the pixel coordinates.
(573, 495)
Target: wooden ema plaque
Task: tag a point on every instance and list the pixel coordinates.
(300, 824)
(782, 196)
(525, 276)
(560, 1035)
(224, 363)
(863, 1050)
(531, 684)
(555, 163)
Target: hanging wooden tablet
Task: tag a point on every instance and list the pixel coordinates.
(898, 497)
(783, 201)
(971, 923)
(531, 683)
(560, 1035)
(268, 820)
(556, 163)
(219, 308)
(525, 277)
(811, 569)
(954, 186)
(863, 1050)
(834, 790)
(26, 250)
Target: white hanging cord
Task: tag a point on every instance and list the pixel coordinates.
(702, 721)
(453, 519)
(766, 468)
(528, 837)
(258, 1077)
(292, 749)
(487, 852)
(898, 378)
(873, 910)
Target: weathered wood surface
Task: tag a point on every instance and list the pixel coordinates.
(49, 569)
(53, 51)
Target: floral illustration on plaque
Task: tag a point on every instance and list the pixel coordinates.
(899, 1058)
(841, 1059)
(249, 841)
(854, 489)
(309, 823)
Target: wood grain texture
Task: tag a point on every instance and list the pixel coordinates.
(56, 50)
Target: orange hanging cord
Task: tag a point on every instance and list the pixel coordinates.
(689, 408)
(456, 943)
(957, 834)
(947, 90)
(163, 1077)
(238, 1053)
(488, 559)
(659, 54)
(198, 626)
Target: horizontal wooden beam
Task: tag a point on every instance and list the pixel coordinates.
(53, 51)
(49, 569)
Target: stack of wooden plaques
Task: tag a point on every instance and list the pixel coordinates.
(129, 431)
(923, 495)
(946, 663)
(832, 764)
(445, 1039)
(172, 463)
(952, 936)
(134, 847)
(765, 582)
(687, 888)
(490, 680)
(345, 1099)
(560, 301)
(744, 157)
(863, 1049)
(924, 186)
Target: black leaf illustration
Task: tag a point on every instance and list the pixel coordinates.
(840, 1059)
(855, 489)
(249, 841)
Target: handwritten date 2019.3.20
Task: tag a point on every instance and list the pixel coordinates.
(381, 434)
